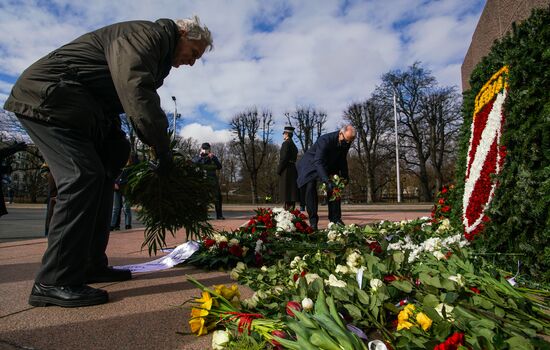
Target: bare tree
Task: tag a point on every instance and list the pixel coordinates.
(373, 122)
(410, 87)
(309, 123)
(441, 108)
(188, 147)
(252, 132)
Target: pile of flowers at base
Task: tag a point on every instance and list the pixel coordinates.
(264, 238)
(405, 285)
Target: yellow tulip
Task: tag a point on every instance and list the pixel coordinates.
(424, 321)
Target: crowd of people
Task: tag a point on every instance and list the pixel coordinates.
(69, 102)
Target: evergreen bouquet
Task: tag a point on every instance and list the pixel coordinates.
(337, 191)
(168, 202)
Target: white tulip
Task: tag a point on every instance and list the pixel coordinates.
(307, 304)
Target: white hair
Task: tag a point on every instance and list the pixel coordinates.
(194, 30)
(347, 127)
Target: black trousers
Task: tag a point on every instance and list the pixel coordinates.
(312, 202)
(84, 168)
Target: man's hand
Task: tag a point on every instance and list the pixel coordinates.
(165, 162)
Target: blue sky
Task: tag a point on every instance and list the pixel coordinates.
(275, 54)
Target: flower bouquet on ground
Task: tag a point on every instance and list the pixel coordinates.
(220, 309)
(179, 199)
(337, 191)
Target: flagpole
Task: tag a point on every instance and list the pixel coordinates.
(396, 146)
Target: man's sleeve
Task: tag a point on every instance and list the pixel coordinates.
(319, 161)
(133, 60)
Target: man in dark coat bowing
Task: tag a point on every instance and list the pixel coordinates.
(288, 189)
(69, 101)
(328, 156)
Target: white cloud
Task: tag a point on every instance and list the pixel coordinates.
(205, 133)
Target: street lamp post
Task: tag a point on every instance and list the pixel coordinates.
(175, 114)
(396, 144)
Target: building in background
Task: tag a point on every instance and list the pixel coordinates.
(495, 21)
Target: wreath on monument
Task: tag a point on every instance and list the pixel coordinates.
(485, 156)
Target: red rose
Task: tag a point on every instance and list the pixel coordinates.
(209, 242)
(222, 245)
(236, 250)
(445, 209)
(292, 305)
(441, 201)
(304, 272)
(295, 277)
(375, 247)
(444, 190)
(258, 259)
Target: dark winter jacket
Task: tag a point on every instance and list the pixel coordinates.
(288, 189)
(326, 157)
(121, 66)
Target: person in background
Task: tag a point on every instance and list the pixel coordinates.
(51, 197)
(211, 164)
(119, 201)
(5, 169)
(70, 102)
(288, 189)
(328, 156)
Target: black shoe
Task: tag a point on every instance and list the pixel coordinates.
(128, 227)
(67, 296)
(339, 222)
(220, 218)
(115, 228)
(108, 274)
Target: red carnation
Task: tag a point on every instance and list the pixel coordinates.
(451, 343)
(209, 242)
(292, 305)
(444, 190)
(441, 201)
(295, 277)
(445, 209)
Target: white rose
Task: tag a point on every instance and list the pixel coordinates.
(448, 310)
(341, 269)
(459, 279)
(234, 274)
(264, 268)
(240, 266)
(233, 241)
(219, 339)
(307, 304)
(330, 224)
(376, 284)
(294, 262)
(332, 235)
(335, 282)
(310, 277)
